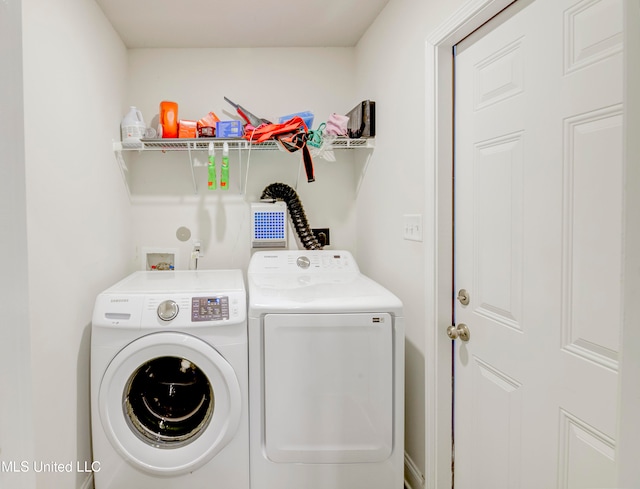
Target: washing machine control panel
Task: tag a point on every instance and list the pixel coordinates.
(209, 308)
(168, 310)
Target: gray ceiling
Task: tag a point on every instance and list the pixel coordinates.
(240, 23)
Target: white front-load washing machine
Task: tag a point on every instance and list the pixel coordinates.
(326, 374)
(169, 382)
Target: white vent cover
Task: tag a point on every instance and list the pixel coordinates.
(269, 225)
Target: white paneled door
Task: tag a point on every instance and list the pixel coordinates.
(538, 246)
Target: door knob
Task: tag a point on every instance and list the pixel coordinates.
(461, 331)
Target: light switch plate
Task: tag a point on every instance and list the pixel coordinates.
(412, 227)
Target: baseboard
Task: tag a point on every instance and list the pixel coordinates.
(413, 478)
(88, 482)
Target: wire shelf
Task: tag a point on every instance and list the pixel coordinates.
(202, 144)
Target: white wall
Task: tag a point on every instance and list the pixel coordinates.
(83, 235)
(78, 217)
(16, 433)
(391, 71)
(364, 209)
(268, 82)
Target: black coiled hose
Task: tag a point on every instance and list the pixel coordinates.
(282, 191)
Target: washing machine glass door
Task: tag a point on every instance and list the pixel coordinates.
(328, 388)
(169, 402)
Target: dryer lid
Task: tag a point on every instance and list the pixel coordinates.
(346, 293)
(314, 281)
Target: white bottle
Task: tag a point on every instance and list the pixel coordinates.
(132, 126)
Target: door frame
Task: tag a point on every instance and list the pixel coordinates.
(628, 440)
(439, 250)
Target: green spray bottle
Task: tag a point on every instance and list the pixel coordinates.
(211, 183)
(224, 170)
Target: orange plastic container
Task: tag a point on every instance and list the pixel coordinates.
(187, 129)
(168, 119)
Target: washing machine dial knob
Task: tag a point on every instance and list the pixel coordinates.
(303, 262)
(167, 310)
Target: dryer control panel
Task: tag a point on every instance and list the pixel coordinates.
(303, 261)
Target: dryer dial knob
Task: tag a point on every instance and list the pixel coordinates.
(167, 310)
(303, 262)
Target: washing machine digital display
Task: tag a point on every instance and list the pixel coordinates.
(209, 308)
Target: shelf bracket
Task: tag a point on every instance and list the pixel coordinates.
(193, 174)
(124, 170)
(240, 168)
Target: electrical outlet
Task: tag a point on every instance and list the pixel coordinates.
(322, 235)
(412, 227)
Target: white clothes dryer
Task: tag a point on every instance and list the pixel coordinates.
(169, 382)
(326, 374)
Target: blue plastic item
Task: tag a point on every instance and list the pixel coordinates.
(306, 116)
(228, 129)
